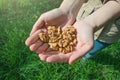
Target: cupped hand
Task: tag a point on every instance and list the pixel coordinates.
(55, 17)
(85, 44)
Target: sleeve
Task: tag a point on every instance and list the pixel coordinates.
(118, 1)
(111, 0)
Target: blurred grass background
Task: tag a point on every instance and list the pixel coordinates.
(17, 62)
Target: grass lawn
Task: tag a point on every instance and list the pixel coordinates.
(17, 62)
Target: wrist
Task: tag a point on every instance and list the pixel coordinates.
(63, 11)
(90, 21)
(67, 13)
(66, 8)
(82, 24)
(72, 7)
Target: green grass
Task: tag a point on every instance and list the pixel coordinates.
(17, 62)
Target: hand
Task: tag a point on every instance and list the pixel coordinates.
(55, 17)
(85, 44)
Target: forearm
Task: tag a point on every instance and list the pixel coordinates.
(72, 6)
(109, 11)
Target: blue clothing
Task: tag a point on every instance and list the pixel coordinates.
(98, 45)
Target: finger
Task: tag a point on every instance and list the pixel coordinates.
(75, 55)
(33, 38)
(36, 45)
(79, 53)
(39, 23)
(42, 48)
(58, 58)
(71, 21)
(43, 57)
(49, 49)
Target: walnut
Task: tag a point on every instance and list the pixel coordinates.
(44, 37)
(53, 39)
(68, 37)
(54, 46)
(62, 41)
(70, 30)
(62, 50)
(54, 31)
(69, 48)
(66, 49)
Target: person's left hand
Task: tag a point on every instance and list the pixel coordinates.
(85, 44)
(55, 17)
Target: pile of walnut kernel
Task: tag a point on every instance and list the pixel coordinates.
(63, 41)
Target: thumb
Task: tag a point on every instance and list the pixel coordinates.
(75, 55)
(80, 53)
(39, 23)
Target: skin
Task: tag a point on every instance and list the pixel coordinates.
(62, 16)
(85, 29)
(59, 18)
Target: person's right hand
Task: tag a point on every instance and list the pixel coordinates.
(55, 17)
(84, 45)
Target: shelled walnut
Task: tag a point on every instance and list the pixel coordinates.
(63, 41)
(43, 36)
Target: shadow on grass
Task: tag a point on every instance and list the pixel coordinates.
(109, 58)
(107, 64)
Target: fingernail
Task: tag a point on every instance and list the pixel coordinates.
(26, 43)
